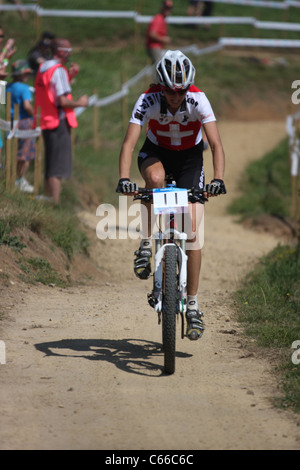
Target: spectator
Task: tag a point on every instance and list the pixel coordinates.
(53, 96)
(157, 32)
(21, 10)
(21, 95)
(200, 8)
(7, 52)
(195, 8)
(41, 51)
(207, 11)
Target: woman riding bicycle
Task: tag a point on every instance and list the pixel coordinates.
(175, 111)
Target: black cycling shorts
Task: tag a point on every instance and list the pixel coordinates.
(185, 166)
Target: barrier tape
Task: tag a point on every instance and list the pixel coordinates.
(145, 19)
(255, 42)
(13, 131)
(39, 11)
(280, 5)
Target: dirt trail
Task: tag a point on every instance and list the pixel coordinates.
(84, 369)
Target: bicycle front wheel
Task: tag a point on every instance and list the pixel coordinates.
(169, 308)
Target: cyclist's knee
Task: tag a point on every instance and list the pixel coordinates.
(155, 179)
(195, 243)
(194, 228)
(153, 173)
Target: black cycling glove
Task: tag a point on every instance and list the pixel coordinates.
(125, 186)
(215, 187)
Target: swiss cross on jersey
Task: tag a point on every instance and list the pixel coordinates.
(174, 135)
(175, 132)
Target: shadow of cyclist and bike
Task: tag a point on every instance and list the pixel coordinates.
(134, 356)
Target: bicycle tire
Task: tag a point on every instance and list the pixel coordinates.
(169, 308)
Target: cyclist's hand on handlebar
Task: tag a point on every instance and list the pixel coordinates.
(125, 186)
(215, 187)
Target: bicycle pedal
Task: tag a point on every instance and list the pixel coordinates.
(194, 334)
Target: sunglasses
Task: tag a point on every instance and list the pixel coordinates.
(1, 36)
(65, 49)
(174, 92)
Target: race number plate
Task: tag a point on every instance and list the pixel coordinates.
(167, 200)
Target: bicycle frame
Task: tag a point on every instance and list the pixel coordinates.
(164, 238)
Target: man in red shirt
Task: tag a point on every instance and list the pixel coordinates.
(157, 32)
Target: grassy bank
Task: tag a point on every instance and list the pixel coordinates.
(268, 301)
(268, 305)
(58, 223)
(266, 186)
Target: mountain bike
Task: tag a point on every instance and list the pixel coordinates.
(169, 295)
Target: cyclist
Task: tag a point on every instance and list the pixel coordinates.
(175, 111)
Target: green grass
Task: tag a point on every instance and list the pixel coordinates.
(268, 301)
(59, 224)
(266, 186)
(7, 239)
(269, 306)
(39, 270)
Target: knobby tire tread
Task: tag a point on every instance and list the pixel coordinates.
(169, 309)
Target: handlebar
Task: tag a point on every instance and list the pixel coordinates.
(194, 195)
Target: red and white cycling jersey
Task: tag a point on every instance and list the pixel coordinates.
(175, 132)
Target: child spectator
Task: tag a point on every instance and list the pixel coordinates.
(21, 95)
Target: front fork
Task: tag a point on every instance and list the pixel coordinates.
(155, 299)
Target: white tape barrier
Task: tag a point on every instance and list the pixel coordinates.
(87, 13)
(280, 5)
(13, 131)
(33, 7)
(92, 101)
(144, 19)
(255, 42)
(256, 3)
(101, 102)
(243, 20)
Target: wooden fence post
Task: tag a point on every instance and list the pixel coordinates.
(14, 152)
(297, 203)
(38, 157)
(137, 29)
(124, 102)
(96, 124)
(38, 21)
(8, 145)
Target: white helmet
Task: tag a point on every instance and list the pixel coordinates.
(175, 71)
